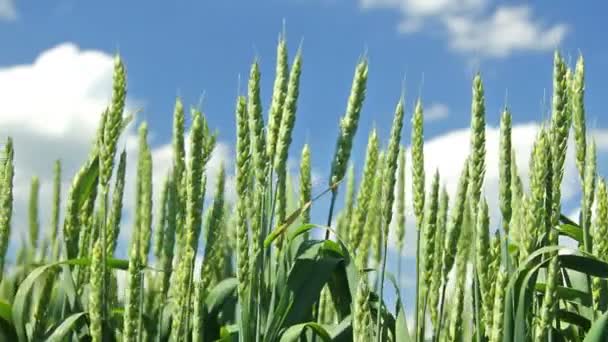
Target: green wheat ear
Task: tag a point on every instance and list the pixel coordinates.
(278, 98)
(478, 142)
(349, 124)
(144, 181)
(561, 120)
(505, 194)
(305, 184)
(117, 203)
(256, 125)
(429, 231)
(454, 226)
(349, 203)
(577, 102)
(131, 315)
(392, 155)
(361, 314)
(482, 258)
(600, 244)
(365, 192)
(169, 237)
(400, 232)
(193, 206)
(539, 171)
(159, 231)
(455, 328)
(95, 294)
(201, 288)
(418, 164)
(242, 175)
(371, 232)
(496, 332)
(34, 222)
(6, 201)
(288, 119)
(437, 276)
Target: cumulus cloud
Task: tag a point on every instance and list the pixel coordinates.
(51, 108)
(447, 153)
(475, 27)
(8, 10)
(509, 29)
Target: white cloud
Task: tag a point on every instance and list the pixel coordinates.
(436, 112)
(448, 152)
(425, 8)
(508, 30)
(475, 27)
(51, 109)
(8, 10)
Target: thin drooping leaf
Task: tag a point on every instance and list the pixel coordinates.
(62, 331)
(572, 231)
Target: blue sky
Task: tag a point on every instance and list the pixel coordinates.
(55, 69)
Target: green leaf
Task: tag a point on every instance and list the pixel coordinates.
(69, 288)
(220, 294)
(306, 278)
(585, 264)
(572, 231)
(20, 303)
(524, 303)
(300, 230)
(5, 311)
(341, 332)
(599, 330)
(223, 295)
(229, 333)
(519, 295)
(88, 181)
(60, 333)
(293, 333)
(343, 281)
(340, 284)
(7, 329)
(574, 318)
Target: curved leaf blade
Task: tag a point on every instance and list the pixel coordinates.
(60, 333)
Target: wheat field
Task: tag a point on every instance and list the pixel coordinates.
(272, 272)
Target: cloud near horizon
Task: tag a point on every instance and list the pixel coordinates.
(51, 108)
(447, 153)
